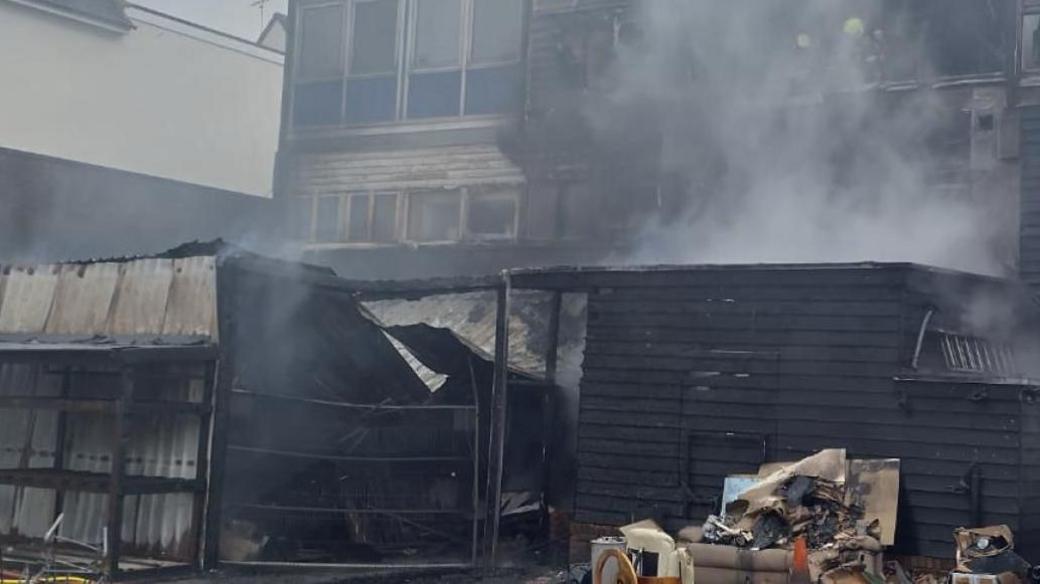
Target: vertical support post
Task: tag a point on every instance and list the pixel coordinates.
(476, 465)
(59, 440)
(499, 417)
(198, 509)
(120, 440)
(549, 403)
(221, 403)
(552, 346)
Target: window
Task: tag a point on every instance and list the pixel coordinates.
(425, 216)
(327, 226)
(301, 217)
(434, 216)
(492, 214)
(944, 37)
(407, 59)
(319, 88)
(372, 218)
(1031, 42)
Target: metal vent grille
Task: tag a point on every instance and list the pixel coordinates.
(972, 354)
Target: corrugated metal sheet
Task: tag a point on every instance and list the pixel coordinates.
(83, 298)
(471, 317)
(192, 307)
(143, 297)
(28, 294)
(27, 440)
(165, 447)
(429, 168)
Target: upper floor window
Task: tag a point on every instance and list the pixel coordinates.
(374, 61)
(477, 213)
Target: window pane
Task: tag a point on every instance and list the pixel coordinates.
(434, 94)
(374, 44)
(327, 220)
(497, 25)
(437, 34)
(371, 100)
(300, 218)
(358, 223)
(434, 216)
(316, 104)
(321, 46)
(1031, 41)
(384, 218)
(493, 91)
(492, 215)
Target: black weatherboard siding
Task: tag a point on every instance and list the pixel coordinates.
(693, 375)
(1029, 233)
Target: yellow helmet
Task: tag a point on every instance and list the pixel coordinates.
(854, 27)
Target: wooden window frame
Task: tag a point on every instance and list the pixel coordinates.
(407, 26)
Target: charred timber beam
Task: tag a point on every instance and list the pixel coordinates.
(101, 406)
(500, 401)
(339, 510)
(348, 405)
(343, 458)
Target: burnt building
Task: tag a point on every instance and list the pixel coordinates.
(211, 407)
(693, 374)
(493, 134)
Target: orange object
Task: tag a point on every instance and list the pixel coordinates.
(626, 572)
(800, 563)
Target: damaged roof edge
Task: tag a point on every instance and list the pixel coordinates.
(547, 278)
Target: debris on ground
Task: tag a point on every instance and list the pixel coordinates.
(988, 552)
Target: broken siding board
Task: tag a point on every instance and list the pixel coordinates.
(28, 297)
(83, 299)
(141, 297)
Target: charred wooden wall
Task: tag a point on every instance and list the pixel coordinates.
(694, 375)
(1029, 219)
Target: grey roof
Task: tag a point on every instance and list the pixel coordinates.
(110, 12)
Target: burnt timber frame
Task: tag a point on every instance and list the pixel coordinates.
(116, 484)
(503, 285)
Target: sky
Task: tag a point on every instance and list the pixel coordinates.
(238, 17)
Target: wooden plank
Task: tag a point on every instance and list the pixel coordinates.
(740, 339)
(751, 321)
(615, 303)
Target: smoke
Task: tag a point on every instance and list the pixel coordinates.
(784, 150)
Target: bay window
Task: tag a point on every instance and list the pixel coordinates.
(372, 61)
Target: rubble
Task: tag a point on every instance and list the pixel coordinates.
(988, 552)
(807, 499)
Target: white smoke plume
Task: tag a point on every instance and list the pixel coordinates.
(785, 147)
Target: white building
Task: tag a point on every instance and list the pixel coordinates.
(117, 115)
